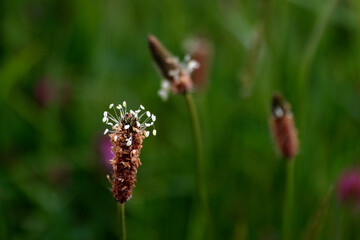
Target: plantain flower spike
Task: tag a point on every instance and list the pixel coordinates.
(283, 128)
(127, 130)
(176, 75)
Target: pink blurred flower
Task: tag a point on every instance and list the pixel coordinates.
(348, 188)
(201, 50)
(104, 146)
(48, 92)
(45, 92)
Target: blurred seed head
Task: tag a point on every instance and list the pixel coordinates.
(176, 74)
(348, 188)
(200, 50)
(283, 128)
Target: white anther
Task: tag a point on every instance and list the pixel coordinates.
(148, 114)
(142, 107)
(106, 131)
(115, 138)
(154, 132)
(165, 85)
(192, 65)
(124, 104)
(111, 105)
(128, 143)
(278, 112)
(127, 126)
(153, 117)
(163, 94)
(119, 107)
(147, 133)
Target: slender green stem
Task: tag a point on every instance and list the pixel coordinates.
(289, 200)
(201, 187)
(121, 219)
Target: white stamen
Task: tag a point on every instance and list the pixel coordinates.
(165, 84)
(105, 114)
(175, 74)
(124, 104)
(127, 126)
(164, 90)
(164, 95)
(147, 124)
(119, 107)
(279, 112)
(104, 119)
(153, 117)
(148, 114)
(106, 131)
(192, 65)
(128, 143)
(115, 138)
(147, 133)
(142, 107)
(154, 132)
(111, 105)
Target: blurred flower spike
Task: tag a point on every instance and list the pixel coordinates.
(283, 127)
(128, 129)
(201, 50)
(176, 74)
(348, 188)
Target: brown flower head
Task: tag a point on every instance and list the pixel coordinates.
(126, 136)
(283, 128)
(176, 74)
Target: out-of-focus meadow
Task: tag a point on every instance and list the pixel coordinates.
(63, 62)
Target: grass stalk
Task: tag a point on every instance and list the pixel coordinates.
(317, 220)
(289, 200)
(314, 40)
(121, 220)
(200, 178)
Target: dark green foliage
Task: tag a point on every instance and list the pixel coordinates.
(52, 181)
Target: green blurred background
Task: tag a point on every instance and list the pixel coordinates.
(62, 62)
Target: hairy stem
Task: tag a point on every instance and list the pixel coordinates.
(121, 219)
(201, 187)
(289, 200)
